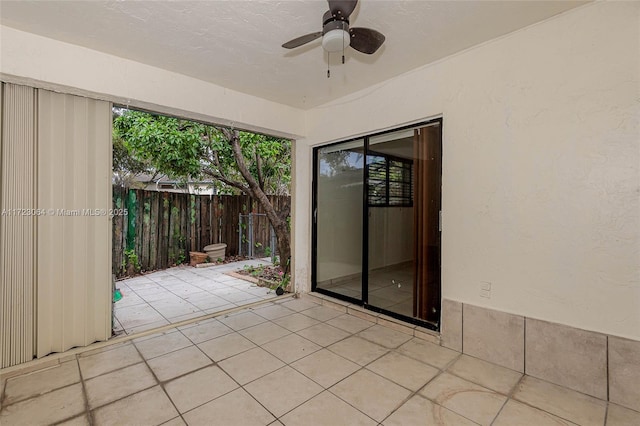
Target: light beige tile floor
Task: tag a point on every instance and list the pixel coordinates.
(290, 362)
(183, 292)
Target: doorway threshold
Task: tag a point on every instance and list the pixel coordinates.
(376, 317)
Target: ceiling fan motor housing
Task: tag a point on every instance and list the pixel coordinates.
(335, 33)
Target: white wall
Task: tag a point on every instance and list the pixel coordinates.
(42, 62)
(390, 236)
(541, 165)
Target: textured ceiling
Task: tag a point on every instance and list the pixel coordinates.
(236, 44)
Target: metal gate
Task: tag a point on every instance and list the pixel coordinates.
(256, 237)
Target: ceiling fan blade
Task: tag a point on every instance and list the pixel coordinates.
(366, 40)
(342, 8)
(296, 42)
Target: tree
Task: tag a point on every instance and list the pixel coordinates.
(243, 162)
(125, 164)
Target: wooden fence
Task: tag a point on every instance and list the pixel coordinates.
(161, 228)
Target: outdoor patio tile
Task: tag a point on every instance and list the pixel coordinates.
(263, 333)
(224, 277)
(138, 315)
(180, 318)
(160, 297)
(226, 346)
(283, 390)
(272, 311)
(404, 371)
(175, 422)
(179, 362)
(136, 280)
(568, 404)
(620, 416)
(199, 387)
(129, 299)
(41, 381)
(220, 308)
(428, 353)
(350, 324)
(241, 320)
(492, 376)
(326, 410)
(515, 413)
(182, 289)
(238, 297)
(296, 321)
(144, 327)
(250, 365)
(322, 313)
(177, 309)
(384, 336)
(104, 362)
(203, 332)
(209, 301)
(82, 420)
(358, 350)
(323, 334)
(49, 408)
(149, 407)
(163, 344)
(465, 398)
(421, 411)
(149, 291)
(300, 304)
(109, 387)
(290, 348)
(234, 408)
(325, 367)
(373, 395)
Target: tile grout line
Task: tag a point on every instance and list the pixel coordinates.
(158, 383)
(607, 366)
(124, 339)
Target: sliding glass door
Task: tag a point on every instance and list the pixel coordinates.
(390, 227)
(377, 204)
(339, 173)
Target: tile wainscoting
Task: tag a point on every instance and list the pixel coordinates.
(606, 367)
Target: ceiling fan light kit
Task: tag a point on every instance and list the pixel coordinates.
(336, 40)
(336, 34)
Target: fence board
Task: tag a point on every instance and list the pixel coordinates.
(163, 227)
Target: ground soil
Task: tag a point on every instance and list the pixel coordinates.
(268, 273)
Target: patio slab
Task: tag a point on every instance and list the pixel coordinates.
(183, 292)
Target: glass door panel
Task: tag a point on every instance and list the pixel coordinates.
(339, 218)
(391, 223)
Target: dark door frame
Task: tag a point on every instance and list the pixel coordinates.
(365, 229)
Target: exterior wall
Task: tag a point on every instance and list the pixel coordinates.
(541, 162)
(42, 62)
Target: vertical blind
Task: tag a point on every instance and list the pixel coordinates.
(74, 244)
(55, 232)
(17, 225)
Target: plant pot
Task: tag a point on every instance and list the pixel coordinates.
(216, 251)
(197, 257)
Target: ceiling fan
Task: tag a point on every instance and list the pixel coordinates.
(336, 34)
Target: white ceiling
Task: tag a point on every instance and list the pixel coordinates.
(237, 44)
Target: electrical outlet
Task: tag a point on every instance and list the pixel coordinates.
(485, 289)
